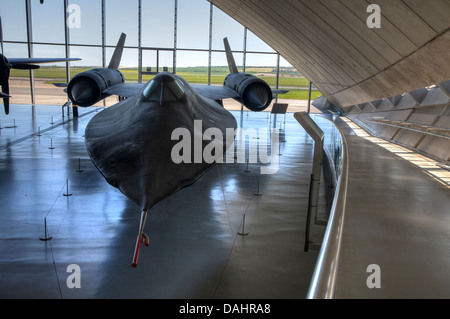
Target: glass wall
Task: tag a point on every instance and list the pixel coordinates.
(183, 36)
(13, 14)
(193, 17)
(47, 21)
(226, 27)
(158, 21)
(85, 22)
(121, 17)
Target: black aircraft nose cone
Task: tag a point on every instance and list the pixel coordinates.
(164, 77)
(4, 69)
(4, 63)
(165, 87)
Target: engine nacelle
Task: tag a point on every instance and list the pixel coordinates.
(255, 94)
(87, 88)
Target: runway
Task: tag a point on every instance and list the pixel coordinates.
(195, 250)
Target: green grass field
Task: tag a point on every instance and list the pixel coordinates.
(288, 80)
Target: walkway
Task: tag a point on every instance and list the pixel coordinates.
(397, 217)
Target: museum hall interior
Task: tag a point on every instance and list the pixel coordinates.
(225, 149)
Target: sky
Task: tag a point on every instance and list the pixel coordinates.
(85, 25)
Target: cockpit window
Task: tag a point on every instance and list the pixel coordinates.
(173, 91)
(164, 90)
(153, 91)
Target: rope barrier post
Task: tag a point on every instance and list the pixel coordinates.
(279, 149)
(243, 233)
(67, 194)
(79, 170)
(51, 145)
(246, 170)
(46, 238)
(257, 193)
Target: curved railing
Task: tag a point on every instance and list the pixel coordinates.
(324, 279)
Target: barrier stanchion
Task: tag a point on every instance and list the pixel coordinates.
(243, 233)
(46, 237)
(79, 170)
(257, 193)
(67, 194)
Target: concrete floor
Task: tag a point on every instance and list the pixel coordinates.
(194, 252)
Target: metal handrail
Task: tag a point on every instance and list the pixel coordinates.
(424, 130)
(324, 279)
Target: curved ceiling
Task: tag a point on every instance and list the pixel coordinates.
(330, 43)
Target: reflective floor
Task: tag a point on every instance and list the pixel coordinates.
(195, 249)
(397, 219)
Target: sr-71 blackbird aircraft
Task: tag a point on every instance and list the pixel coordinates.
(18, 63)
(131, 143)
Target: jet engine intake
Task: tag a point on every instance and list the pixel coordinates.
(255, 94)
(87, 88)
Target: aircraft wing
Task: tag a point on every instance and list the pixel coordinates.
(222, 92)
(23, 61)
(279, 91)
(209, 91)
(215, 92)
(125, 89)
